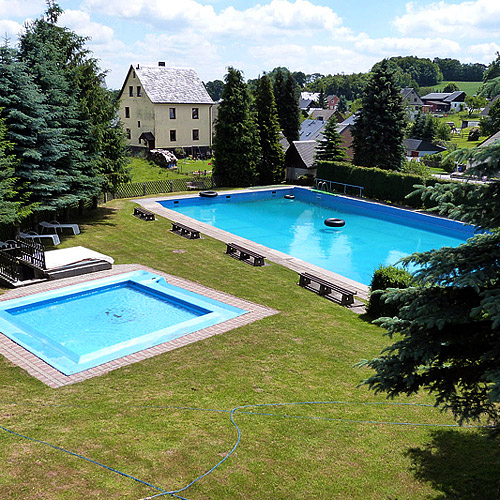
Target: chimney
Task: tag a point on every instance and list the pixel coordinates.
(161, 63)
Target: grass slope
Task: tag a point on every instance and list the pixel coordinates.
(141, 419)
(142, 170)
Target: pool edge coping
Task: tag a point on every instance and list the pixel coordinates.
(281, 258)
(36, 367)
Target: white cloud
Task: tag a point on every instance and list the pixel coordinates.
(476, 18)
(278, 17)
(79, 22)
(484, 53)
(421, 47)
(21, 8)
(11, 29)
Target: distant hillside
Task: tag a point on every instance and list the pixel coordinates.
(470, 88)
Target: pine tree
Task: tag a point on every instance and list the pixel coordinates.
(447, 328)
(378, 131)
(331, 148)
(271, 167)
(236, 141)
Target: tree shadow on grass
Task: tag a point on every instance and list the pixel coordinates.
(463, 466)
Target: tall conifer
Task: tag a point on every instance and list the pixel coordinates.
(378, 131)
(236, 142)
(271, 166)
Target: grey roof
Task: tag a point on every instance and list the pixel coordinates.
(420, 145)
(445, 96)
(306, 151)
(322, 114)
(486, 110)
(310, 129)
(163, 84)
(491, 140)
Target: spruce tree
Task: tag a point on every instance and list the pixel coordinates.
(271, 166)
(12, 211)
(378, 131)
(36, 146)
(236, 142)
(330, 147)
(291, 111)
(50, 51)
(447, 328)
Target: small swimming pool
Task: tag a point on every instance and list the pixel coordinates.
(374, 234)
(78, 327)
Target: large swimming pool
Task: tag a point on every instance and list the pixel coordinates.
(374, 234)
(79, 327)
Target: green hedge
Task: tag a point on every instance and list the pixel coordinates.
(378, 184)
(383, 278)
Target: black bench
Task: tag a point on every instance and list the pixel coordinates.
(327, 288)
(182, 230)
(143, 214)
(244, 254)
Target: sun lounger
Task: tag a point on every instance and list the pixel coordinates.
(35, 236)
(58, 226)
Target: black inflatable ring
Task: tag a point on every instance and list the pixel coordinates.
(209, 194)
(334, 222)
(289, 196)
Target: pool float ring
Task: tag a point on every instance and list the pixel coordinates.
(209, 194)
(289, 196)
(334, 222)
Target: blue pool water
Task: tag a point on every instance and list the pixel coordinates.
(374, 234)
(76, 328)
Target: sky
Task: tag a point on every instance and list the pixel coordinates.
(313, 36)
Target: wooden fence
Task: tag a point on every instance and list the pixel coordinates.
(138, 189)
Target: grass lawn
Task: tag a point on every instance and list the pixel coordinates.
(145, 419)
(142, 170)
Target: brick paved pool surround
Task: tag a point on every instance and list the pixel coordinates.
(54, 378)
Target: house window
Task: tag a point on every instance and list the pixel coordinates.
(196, 134)
(131, 91)
(127, 131)
(139, 93)
(172, 113)
(195, 113)
(127, 112)
(138, 123)
(133, 74)
(173, 136)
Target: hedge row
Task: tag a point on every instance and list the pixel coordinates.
(378, 184)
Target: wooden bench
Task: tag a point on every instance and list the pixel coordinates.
(244, 254)
(185, 231)
(143, 214)
(327, 288)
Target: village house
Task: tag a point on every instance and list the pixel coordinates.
(443, 102)
(166, 108)
(412, 101)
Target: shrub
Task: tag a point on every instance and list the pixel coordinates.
(416, 167)
(386, 277)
